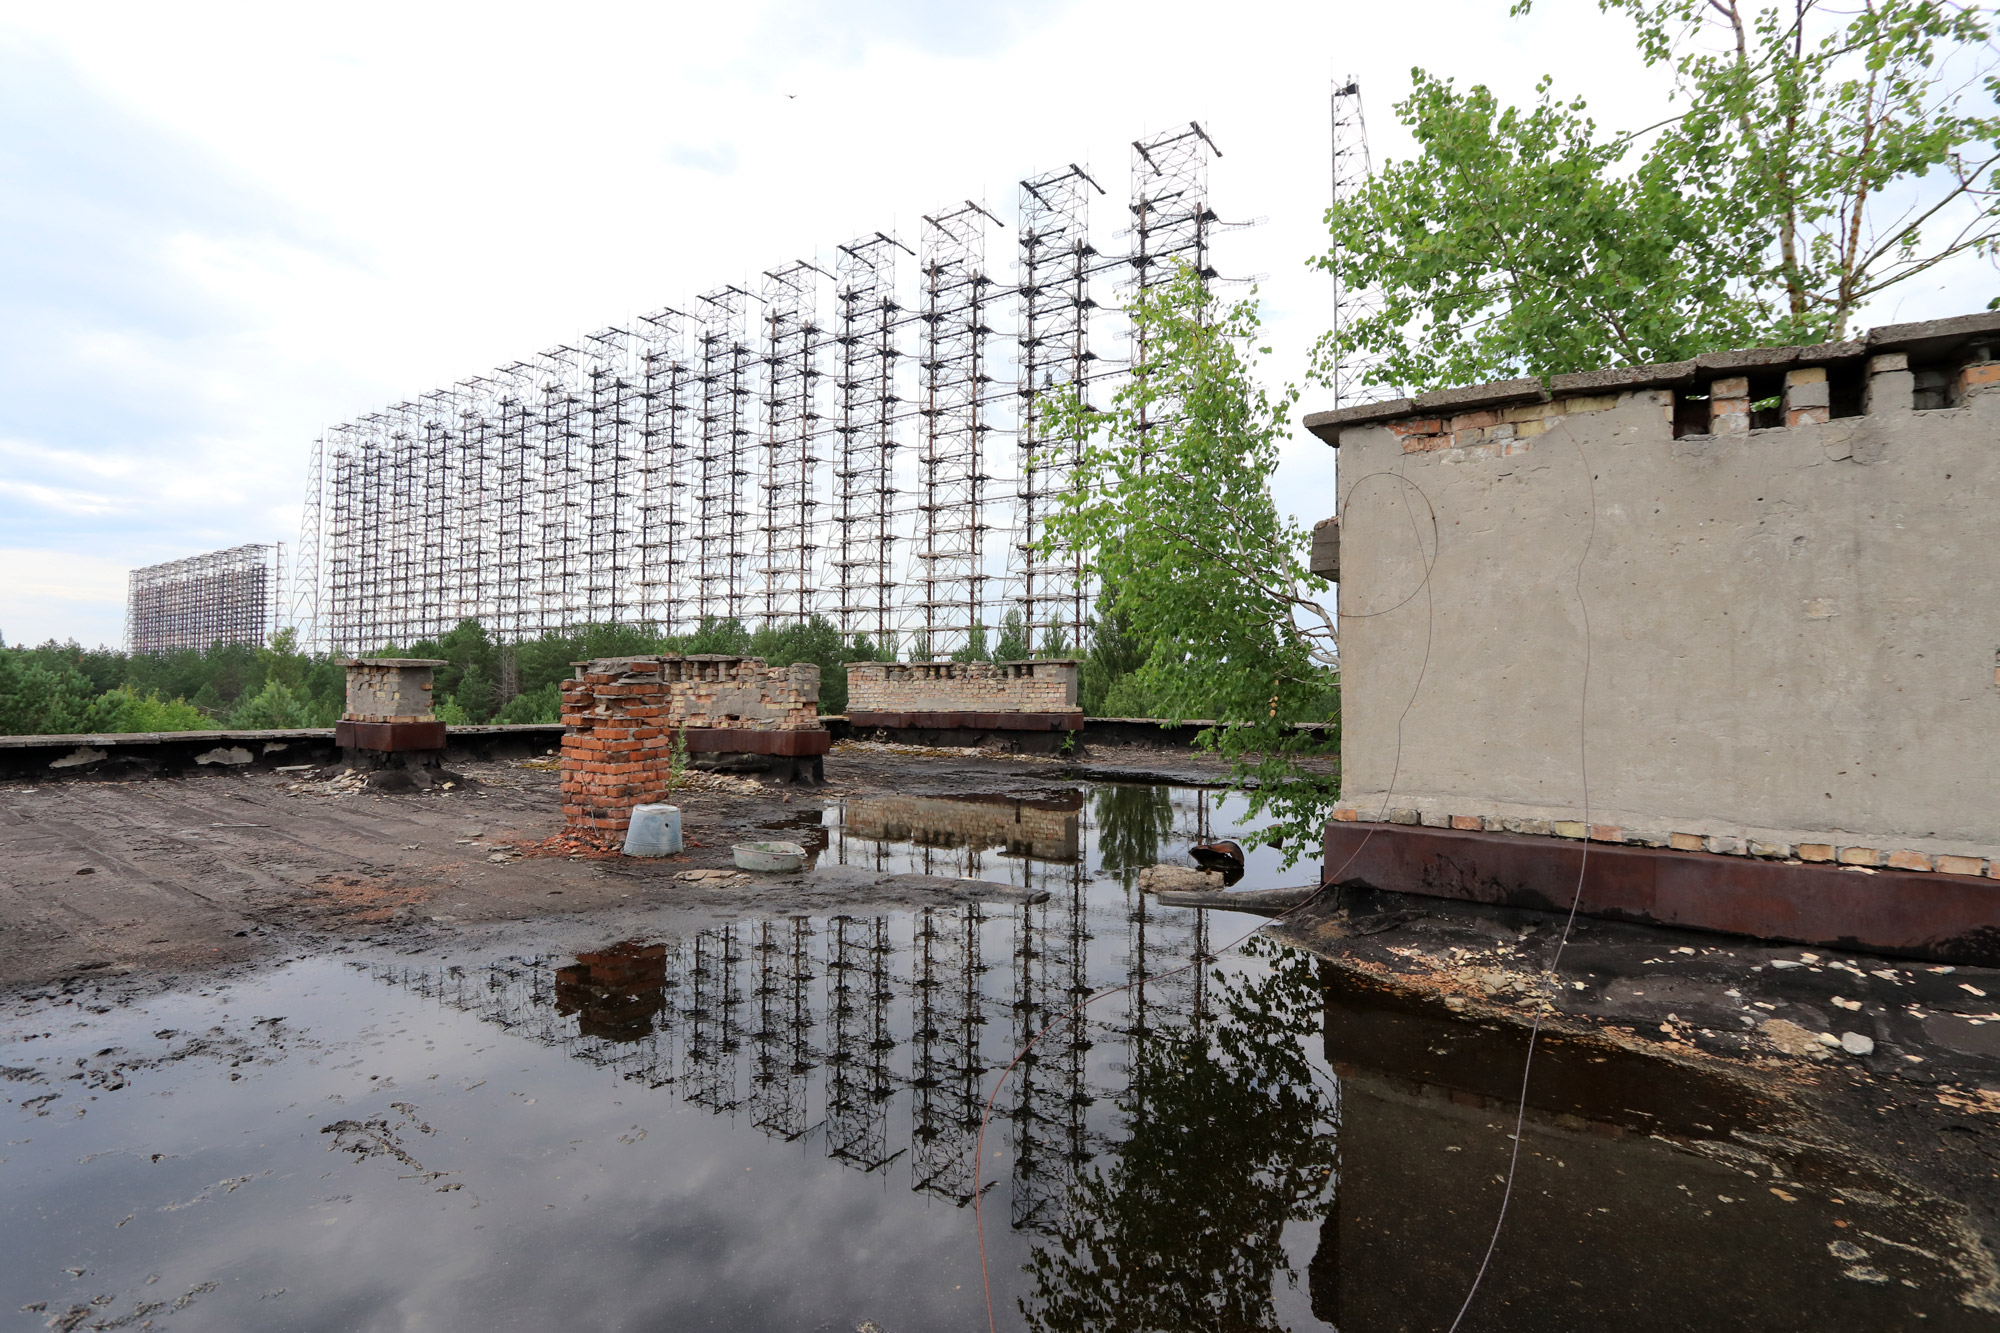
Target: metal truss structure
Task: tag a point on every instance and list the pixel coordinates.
(1350, 169)
(1057, 261)
(766, 458)
(865, 477)
(790, 483)
(951, 403)
(232, 597)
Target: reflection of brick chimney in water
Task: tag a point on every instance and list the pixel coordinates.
(616, 992)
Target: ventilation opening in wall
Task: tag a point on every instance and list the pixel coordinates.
(1767, 401)
(1930, 387)
(1691, 413)
(1846, 390)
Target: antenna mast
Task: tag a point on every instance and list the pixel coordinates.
(1350, 170)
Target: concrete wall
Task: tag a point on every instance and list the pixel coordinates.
(1792, 633)
(1044, 686)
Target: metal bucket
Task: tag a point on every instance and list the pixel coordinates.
(769, 856)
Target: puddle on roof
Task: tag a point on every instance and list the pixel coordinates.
(773, 1125)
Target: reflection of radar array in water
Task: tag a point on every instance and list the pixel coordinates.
(816, 1027)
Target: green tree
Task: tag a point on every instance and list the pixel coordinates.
(1172, 498)
(975, 649)
(1510, 246)
(273, 708)
(542, 704)
(1013, 645)
(475, 694)
(1851, 142)
(39, 700)
(1809, 161)
(124, 709)
(1109, 668)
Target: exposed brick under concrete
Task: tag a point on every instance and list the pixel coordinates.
(389, 728)
(389, 689)
(937, 690)
(622, 713)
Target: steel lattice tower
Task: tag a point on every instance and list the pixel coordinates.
(404, 522)
(1349, 173)
(611, 475)
(517, 613)
(229, 597)
(865, 483)
(664, 453)
(472, 513)
(952, 403)
(1056, 263)
(558, 425)
(665, 472)
(309, 579)
(723, 465)
(436, 568)
(1171, 220)
(790, 485)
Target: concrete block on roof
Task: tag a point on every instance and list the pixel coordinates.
(1932, 335)
(1747, 360)
(1820, 354)
(1667, 375)
(1327, 425)
(1325, 558)
(1483, 395)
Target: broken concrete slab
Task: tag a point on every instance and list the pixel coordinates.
(1257, 902)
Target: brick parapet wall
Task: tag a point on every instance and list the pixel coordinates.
(622, 713)
(1771, 845)
(389, 690)
(1034, 686)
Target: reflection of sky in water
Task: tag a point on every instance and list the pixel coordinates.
(771, 1125)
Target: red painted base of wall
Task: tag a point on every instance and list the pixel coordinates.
(1945, 918)
(389, 737)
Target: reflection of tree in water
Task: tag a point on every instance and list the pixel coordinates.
(1229, 1139)
(1131, 822)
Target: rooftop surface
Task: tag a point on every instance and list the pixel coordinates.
(130, 896)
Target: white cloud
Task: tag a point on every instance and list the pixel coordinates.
(62, 594)
(223, 226)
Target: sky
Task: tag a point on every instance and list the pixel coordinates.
(224, 227)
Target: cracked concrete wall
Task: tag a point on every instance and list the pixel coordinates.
(1793, 633)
